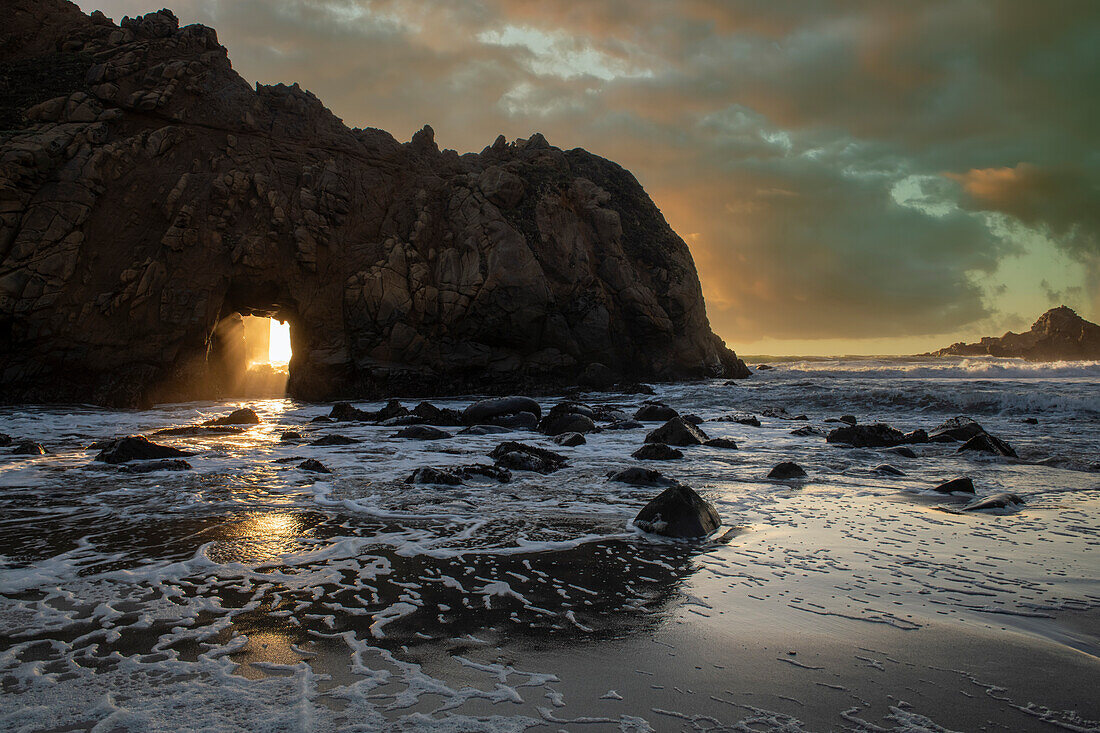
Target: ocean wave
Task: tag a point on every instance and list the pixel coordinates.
(934, 368)
(944, 399)
(838, 391)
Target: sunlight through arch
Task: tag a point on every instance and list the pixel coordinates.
(279, 350)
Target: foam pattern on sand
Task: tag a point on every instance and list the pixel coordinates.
(246, 593)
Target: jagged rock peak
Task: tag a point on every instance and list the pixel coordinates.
(149, 197)
(1058, 335)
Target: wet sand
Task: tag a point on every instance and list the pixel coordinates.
(247, 594)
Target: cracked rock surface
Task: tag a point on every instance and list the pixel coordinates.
(149, 196)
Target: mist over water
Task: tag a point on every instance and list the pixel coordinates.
(249, 593)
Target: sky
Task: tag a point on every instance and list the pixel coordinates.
(851, 177)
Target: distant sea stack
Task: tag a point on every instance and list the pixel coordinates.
(149, 197)
(1059, 335)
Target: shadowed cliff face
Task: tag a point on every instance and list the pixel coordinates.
(147, 193)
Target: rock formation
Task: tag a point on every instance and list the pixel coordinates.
(1059, 335)
(149, 197)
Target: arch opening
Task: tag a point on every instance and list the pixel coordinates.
(250, 353)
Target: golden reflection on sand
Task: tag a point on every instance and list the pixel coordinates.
(259, 537)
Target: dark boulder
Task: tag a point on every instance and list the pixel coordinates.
(5, 440)
(334, 440)
(694, 419)
(137, 448)
(635, 388)
(889, 470)
(289, 436)
(721, 443)
(518, 421)
(322, 418)
(28, 448)
(520, 457)
(433, 415)
(657, 452)
(903, 452)
(655, 412)
(959, 485)
(163, 464)
(422, 432)
(764, 367)
(567, 423)
(484, 430)
(484, 411)
(624, 425)
(312, 464)
(572, 408)
(570, 440)
(742, 418)
(959, 428)
(344, 412)
(787, 470)
(607, 413)
(678, 512)
(807, 430)
(878, 435)
(916, 436)
(392, 409)
(1030, 421)
(986, 443)
(428, 475)
(636, 476)
(677, 431)
(496, 473)
(1003, 500)
(243, 416)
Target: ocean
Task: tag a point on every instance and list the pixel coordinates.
(248, 594)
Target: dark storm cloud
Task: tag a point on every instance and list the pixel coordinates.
(832, 165)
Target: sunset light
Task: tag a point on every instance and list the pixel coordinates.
(656, 366)
(279, 350)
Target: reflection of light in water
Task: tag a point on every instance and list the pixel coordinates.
(259, 537)
(266, 646)
(270, 405)
(279, 349)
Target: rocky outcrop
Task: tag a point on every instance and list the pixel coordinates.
(1059, 335)
(137, 448)
(787, 470)
(679, 512)
(677, 431)
(149, 197)
(1002, 501)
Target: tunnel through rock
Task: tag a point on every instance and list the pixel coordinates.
(249, 356)
(249, 352)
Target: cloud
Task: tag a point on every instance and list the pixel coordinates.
(1065, 200)
(840, 170)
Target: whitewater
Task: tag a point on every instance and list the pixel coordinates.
(248, 594)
